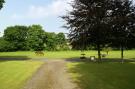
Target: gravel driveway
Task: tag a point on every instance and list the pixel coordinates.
(52, 75)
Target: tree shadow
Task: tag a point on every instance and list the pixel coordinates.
(76, 59)
(106, 75)
(117, 60)
(13, 58)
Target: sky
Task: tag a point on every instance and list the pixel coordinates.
(27, 12)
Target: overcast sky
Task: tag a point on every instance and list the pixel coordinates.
(28, 12)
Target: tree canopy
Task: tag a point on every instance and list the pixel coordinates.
(34, 37)
(17, 35)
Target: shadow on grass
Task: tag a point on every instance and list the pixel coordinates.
(13, 58)
(117, 60)
(106, 75)
(76, 59)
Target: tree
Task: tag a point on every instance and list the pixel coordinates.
(123, 24)
(20, 38)
(88, 23)
(6, 46)
(55, 42)
(51, 42)
(100, 22)
(36, 38)
(1, 3)
(17, 35)
(61, 41)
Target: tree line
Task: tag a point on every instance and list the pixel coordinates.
(31, 38)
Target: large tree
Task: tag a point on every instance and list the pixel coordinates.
(99, 22)
(17, 35)
(89, 23)
(36, 38)
(123, 24)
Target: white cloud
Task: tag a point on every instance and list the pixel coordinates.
(55, 8)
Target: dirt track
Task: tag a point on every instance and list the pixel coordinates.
(52, 75)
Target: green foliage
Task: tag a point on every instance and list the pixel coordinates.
(22, 38)
(56, 42)
(6, 45)
(36, 38)
(17, 35)
(61, 42)
(51, 43)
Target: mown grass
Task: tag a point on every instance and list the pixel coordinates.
(106, 75)
(67, 54)
(14, 74)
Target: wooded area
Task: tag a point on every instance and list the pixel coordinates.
(31, 38)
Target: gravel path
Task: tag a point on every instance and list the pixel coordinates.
(52, 75)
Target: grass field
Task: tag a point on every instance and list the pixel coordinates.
(13, 74)
(104, 75)
(108, 75)
(67, 54)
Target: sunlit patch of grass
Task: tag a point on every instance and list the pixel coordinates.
(14, 74)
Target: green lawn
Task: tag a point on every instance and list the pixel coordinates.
(66, 54)
(108, 75)
(13, 74)
(103, 75)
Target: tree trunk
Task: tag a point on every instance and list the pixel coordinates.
(99, 52)
(122, 53)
